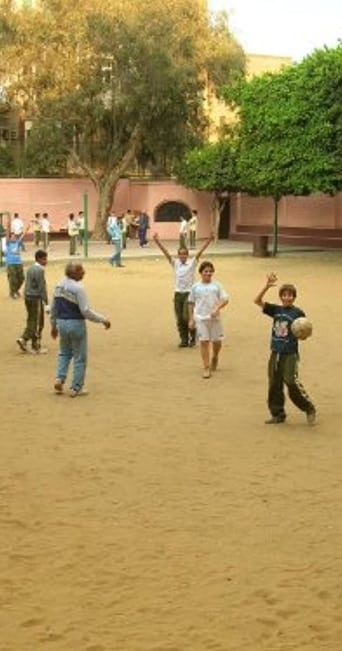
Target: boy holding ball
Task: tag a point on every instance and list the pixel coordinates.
(283, 362)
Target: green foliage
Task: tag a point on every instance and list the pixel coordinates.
(40, 160)
(225, 60)
(8, 165)
(289, 128)
(211, 167)
(116, 82)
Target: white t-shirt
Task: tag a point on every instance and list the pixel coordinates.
(183, 229)
(184, 274)
(17, 226)
(45, 225)
(205, 296)
(192, 224)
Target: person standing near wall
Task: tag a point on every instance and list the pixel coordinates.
(73, 234)
(46, 228)
(143, 226)
(192, 223)
(124, 230)
(183, 233)
(36, 301)
(115, 234)
(81, 227)
(36, 226)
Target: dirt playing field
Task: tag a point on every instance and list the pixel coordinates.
(160, 513)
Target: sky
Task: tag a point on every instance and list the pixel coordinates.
(283, 27)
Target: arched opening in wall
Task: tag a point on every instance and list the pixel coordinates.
(171, 211)
(224, 223)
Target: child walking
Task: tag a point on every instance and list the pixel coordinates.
(206, 299)
(283, 362)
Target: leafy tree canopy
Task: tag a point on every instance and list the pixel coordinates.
(211, 167)
(289, 127)
(117, 81)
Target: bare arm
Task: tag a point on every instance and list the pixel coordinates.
(162, 247)
(271, 281)
(205, 245)
(191, 315)
(222, 303)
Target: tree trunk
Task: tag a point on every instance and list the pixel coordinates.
(215, 215)
(275, 227)
(104, 206)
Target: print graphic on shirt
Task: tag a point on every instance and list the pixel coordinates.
(281, 328)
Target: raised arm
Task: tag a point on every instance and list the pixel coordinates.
(205, 245)
(271, 281)
(162, 247)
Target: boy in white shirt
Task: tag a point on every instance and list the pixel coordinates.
(184, 273)
(206, 299)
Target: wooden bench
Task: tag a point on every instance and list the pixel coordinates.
(60, 235)
(260, 235)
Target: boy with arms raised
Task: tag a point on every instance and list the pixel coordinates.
(184, 271)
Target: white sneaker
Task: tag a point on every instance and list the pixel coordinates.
(38, 351)
(74, 393)
(206, 373)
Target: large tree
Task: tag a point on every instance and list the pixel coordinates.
(109, 84)
(290, 129)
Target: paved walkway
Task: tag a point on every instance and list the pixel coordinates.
(59, 250)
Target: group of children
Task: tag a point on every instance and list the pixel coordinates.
(197, 309)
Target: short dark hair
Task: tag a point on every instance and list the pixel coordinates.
(40, 254)
(288, 287)
(206, 264)
(183, 248)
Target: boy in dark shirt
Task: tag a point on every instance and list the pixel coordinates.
(36, 301)
(283, 363)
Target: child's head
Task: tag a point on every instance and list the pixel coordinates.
(40, 256)
(183, 253)
(287, 294)
(206, 269)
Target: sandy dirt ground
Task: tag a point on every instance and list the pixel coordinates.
(160, 513)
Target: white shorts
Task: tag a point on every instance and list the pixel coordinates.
(209, 329)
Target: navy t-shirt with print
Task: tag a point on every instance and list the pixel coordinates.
(282, 339)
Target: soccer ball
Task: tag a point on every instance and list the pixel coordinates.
(301, 328)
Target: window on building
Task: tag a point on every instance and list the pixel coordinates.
(172, 211)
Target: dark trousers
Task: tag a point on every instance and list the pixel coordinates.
(72, 244)
(16, 277)
(182, 317)
(283, 371)
(142, 234)
(35, 321)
